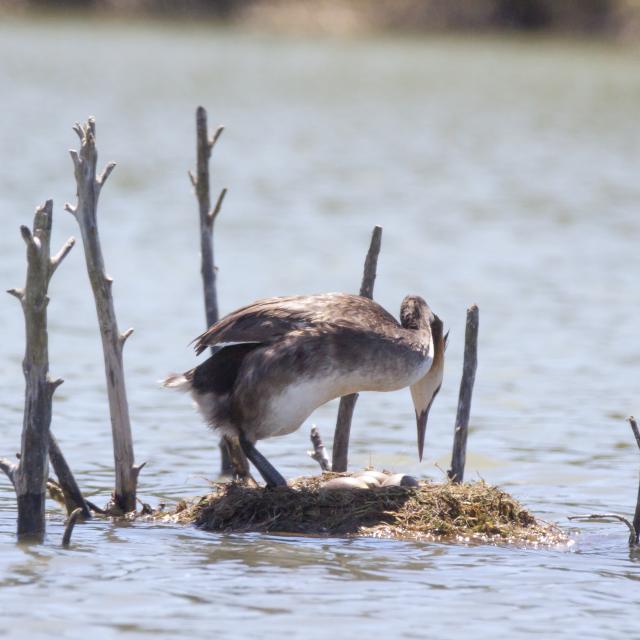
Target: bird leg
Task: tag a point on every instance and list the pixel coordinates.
(236, 459)
(265, 468)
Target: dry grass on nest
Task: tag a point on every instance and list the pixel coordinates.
(468, 512)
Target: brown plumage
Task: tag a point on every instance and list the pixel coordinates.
(281, 358)
(270, 319)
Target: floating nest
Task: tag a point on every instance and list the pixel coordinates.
(447, 512)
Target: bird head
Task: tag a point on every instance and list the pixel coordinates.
(416, 314)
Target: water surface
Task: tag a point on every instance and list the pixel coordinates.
(504, 173)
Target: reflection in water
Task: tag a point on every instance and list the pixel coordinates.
(504, 173)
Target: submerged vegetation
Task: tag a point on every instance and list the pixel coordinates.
(449, 512)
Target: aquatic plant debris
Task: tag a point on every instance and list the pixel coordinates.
(470, 512)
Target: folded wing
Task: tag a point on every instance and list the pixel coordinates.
(268, 320)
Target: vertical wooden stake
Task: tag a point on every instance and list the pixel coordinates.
(233, 460)
(347, 405)
(458, 458)
(89, 186)
(207, 215)
(636, 515)
(30, 476)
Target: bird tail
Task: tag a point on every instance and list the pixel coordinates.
(179, 381)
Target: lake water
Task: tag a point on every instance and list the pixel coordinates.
(504, 172)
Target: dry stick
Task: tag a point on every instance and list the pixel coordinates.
(9, 469)
(634, 428)
(89, 186)
(319, 453)
(348, 403)
(73, 498)
(233, 459)
(207, 215)
(68, 530)
(636, 515)
(30, 477)
(609, 516)
(634, 527)
(469, 366)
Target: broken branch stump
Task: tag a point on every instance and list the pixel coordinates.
(319, 453)
(469, 366)
(89, 186)
(347, 405)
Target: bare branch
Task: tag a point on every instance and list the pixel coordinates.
(216, 210)
(16, 293)
(371, 263)
(71, 493)
(137, 468)
(88, 190)
(125, 334)
(31, 474)
(233, 459)
(70, 209)
(75, 158)
(215, 136)
(601, 516)
(10, 469)
(636, 514)
(633, 538)
(203, 193)
(340, 452)
(469, 366)
(102, 178)
(61, 255)
(347, 404)
(319, 453)
(25, 232)
(634, 428)
(95, 508)
(54, 384)
(68, 530)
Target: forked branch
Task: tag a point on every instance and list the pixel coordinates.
(89, 185)
(234, 462)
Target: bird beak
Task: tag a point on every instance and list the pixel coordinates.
(425, 390)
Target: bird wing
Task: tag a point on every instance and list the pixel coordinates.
(268, 320)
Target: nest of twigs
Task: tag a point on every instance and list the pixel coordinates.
(457, 512)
